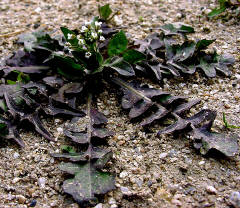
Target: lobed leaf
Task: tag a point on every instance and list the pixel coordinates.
(88, 182)
(176, 28)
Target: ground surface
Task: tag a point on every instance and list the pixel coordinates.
(151, 171)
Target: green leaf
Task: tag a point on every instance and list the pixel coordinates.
(3, 105)
(203, 44)
(105, 11)
(11, 82)
(99, 58)
(23, 78)
(227, 125)
(184, 51)
(68, 149)
(88, 182)
(117, 44)
(73, 41)
(208, 68)
(69, 62)
(216, 11)
(121, 66)
(132, 56)
(3, 129)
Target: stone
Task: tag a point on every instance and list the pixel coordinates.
(60, 130)
(176, 202)
(179, 15)
(163, 155)
(211, 190)
(100, 205)
(15, 180)
(123, 174)
(139, 182)
(21, 199)
(235, 199)
(201, 162)
(207, 11)
(124, 190)
(112, 201)
(162, 194)
(33, 203)
(41, 182)
(16, 155)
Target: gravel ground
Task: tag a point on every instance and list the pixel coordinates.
(151, 171)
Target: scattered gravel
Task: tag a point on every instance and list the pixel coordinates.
(151, 171)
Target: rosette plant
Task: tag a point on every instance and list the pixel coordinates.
(57, 76)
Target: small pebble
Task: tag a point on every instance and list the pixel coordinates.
(123, 174)
(139, 182)
(16, 155)
(207, 11)
(163, 155)
(179, 15)
(177, 202)
(41, 182)
(118, 20)
(57, 120)
(15, 180)
(120, 137)
(112, 201)
(100, 205)
(33, 203)
(201, 162)
(211, 190)
(124, 190)
(38, 9)
(21, 199)
(235, 199)
(60, 130)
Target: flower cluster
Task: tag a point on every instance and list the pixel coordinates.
(89, 35)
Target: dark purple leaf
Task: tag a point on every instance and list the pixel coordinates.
(97, 117)
(101, 133)
(53, 81)
(87, 183)
(186, 106)
(194, 121)
(97, 153)
(160, 113)
(206, 140)
(139, 108)
(78, 137)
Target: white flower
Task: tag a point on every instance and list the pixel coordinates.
(98, 24)
(70, 36)
(68, 44)
(87, 23)
(79, 37)
(94, 35)
(101, 38)
(87, 54)
(100, 31)
(84, 29)
(81, 42)
(84, 47)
